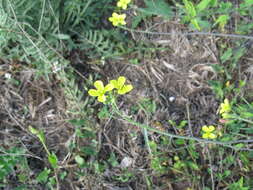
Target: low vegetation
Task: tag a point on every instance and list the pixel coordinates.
(126, 94)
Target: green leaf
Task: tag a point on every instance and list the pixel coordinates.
(113, 160)
(245, 158)
(195, 24)
(246, 114)
(157, 7)
(203, 5)
(137, 19)
(89, 150)
(248, 2)
(180, 141)
(41, 136)
(43, 176)
(226, 55)
(77, 122)
(33, 130)
(153, 146)
(182, 124)
(222, 21)
(190, 9)
(52, 158)
(104, 113)
(79, 160)
(214, 3)
(193, 166)
(38, 133)
(239, 146)
(63, 175)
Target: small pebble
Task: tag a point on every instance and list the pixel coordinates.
(7, 75)
(172, 99)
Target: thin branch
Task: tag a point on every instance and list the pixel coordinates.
(205, 141)
(190, 33)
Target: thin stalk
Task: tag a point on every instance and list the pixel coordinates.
(190, 33)
(205, 141)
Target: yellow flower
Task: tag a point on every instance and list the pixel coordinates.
(225, 108)
(100, 90)
(117, 19)
(120, 85)
(208, 132)
(227, 83)
(123, 3)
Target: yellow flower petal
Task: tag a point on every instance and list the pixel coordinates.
(225, 107)
(123, 3)
(212, 136)
(205, 128)
(122, 16)
(211, 128)
(121, 81)
(115, 23)
(114, 83)
(93, 92)
(208, 129)
(119, 4)
(117, 19)
(123, 6)
(125, 89)
(109, 87)
(114, 15)
(123, 22)
(205, 136)
(110, 19)
(99, 85)
(102, 98)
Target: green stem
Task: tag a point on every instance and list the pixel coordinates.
(242, 119)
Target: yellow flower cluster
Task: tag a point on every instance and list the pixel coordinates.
(119, 19)
(123, 4)
(101, 90)
(208, 132)
(225, 108)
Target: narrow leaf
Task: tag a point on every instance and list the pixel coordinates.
(203, 5)
(52, 158)
(195, 24)
(190, 9)
(79, 160)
